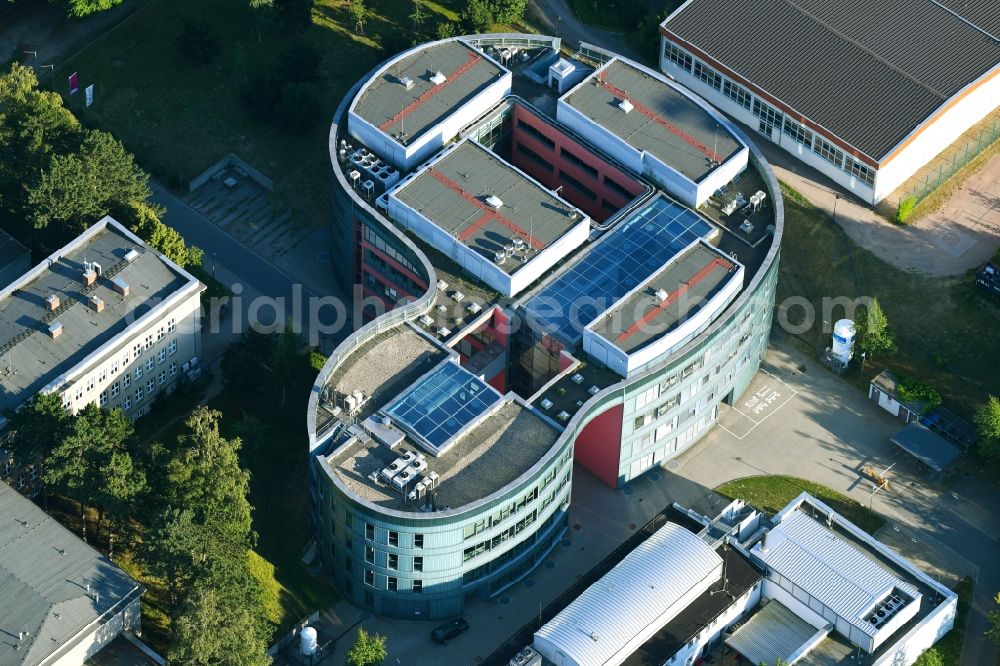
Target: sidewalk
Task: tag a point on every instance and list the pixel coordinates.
(959, 238)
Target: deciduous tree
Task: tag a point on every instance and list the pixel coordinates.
(987, 419)
(368, 649)
(875, 334)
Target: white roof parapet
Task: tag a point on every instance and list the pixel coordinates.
(643, 592)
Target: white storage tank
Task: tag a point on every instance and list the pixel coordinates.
(307, 642)
(844, 335)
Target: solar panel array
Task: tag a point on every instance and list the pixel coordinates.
(443, 402)
(632, 252)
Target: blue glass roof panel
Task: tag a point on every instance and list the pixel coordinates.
(627, 256)
(442, 403)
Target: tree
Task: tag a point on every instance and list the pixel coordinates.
(368, 649)
(993, 618)
(206, 478)
(987, 420)
(477, 16)
(360, 13)
(82, 8)
(78, 188)
(876, 336)
(74, 465)
(37, 427)
(509, 11)
(197, 44)
(930, 657)
(264, 12)
(121, 483)
(418, 15)
(446, 29)
(144, 221)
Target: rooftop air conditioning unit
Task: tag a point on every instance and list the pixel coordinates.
(406, 81)
(89, 275)
(474, 307)
(593, 390)
(442, 285)
(564, 416)
(625, 105)
(443, 332)
(426, 320)
(577, 378)
(494, 201)
(131, 255)
(52, 300)
(55, 330)
(546, 403)
(438, 78)
(96, 303)
(661, 295)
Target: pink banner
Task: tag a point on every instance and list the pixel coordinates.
(74, 83)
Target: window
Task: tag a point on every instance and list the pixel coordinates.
(114, 366)
(391, 583)
(115, 388)
(863, 173)
(150, 386)
(127, 379)
(149, 364)
(136, 351)
(160, 332)
(676, 56)
(418, 586)
(138, 394)
(578, 186)
(102, 376)
(737, 93)
(171, 325)
(828, 152)
(161, 355)
(79, 393)
(769, 116)
(647, 396)
(138, 372)
(418, 540)
(798, 133)
(617, 187)
(369, 531)
(393, 561)
(418, 563)
(393, 538)
(162, 377)
(369, 554)
(149, 341)
(104, 398)
(369, 577)
(173, 368)
(536, 133)
(708, 75)
(349, 519)
(579, 163)
(172, 347)
(128, 402)
(535, 157)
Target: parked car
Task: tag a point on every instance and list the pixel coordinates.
(449, 630)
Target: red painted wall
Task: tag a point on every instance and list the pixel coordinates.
(499, 382)
(552, 180)
(598, 447)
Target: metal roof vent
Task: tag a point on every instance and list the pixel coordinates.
(96, 303)
(546, 403)
(52, 300)
(494, 201)
(426, 320)
(499, 257)
(625, 105)
(406, 81)
(438, 78)
(661, 295)
(563, 416)
(593, 390)
(120, 285)
(131, 255)
(89, 274)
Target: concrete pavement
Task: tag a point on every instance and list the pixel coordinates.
(558, 19)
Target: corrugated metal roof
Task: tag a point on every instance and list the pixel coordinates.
(771, 635)
(837, 573)
(52, 584)
(870, 72)
(642, 589)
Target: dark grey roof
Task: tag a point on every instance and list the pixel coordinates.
(45, 571)
(927, 447)
(869, 72)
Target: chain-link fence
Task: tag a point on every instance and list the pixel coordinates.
(952, 163)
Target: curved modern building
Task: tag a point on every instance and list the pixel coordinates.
(557, 261)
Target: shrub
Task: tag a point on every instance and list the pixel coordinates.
(905, 210)
(911, 389)
(197, 44)
(446, 29)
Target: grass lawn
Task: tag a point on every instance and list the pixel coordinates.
(180, 119)
(947, 330)
(772, 493)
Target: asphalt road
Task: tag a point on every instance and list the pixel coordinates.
(559, 20)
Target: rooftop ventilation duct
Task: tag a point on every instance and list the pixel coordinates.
(96, 303)
(120, 286)
(131, 255)
(625, 105)
(52, 301)
(406, 82)
(89, 274)
(494, 201)
(438, 78)
(55, 330)
(661, 295)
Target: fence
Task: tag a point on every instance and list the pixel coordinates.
(950, 165)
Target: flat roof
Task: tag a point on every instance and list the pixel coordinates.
(687, 284)
(663, 121)
(741, 575)
(394, 108)
(869, 72)
(649, 583)
(52, 584)
(926, 446)
(33, 357)
(486, 458)
(454, 193)
(835, 571)
(624, 258)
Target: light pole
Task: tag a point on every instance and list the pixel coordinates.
(213, 266)
(836, 198)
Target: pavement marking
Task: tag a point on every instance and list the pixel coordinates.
(761, 404)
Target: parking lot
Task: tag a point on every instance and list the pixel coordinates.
(766, 396)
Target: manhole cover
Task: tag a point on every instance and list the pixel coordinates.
(529, 583)
(504, 600)
(672, 465)
(549, 564)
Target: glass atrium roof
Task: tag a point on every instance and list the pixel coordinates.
(628, 255)
(443, 403)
